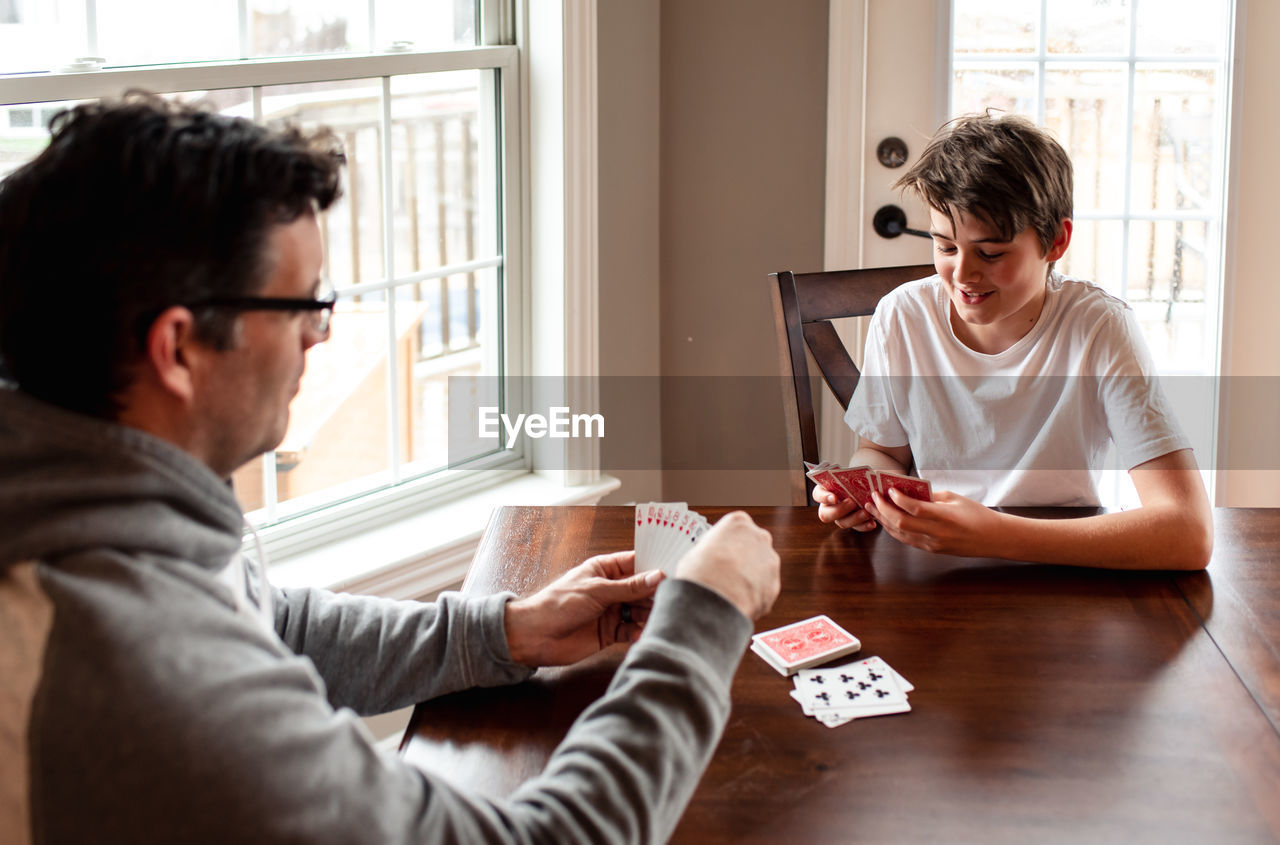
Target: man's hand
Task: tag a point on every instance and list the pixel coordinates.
(736, 559)
(846, 513)
(581, 612)
(951, 524)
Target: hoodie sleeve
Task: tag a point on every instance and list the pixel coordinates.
(378, 654)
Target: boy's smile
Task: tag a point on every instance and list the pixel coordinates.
(996, 286)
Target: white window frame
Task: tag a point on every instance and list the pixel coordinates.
(418, 537)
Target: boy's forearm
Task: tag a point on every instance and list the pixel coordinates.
(876, 459)
(1150, 537)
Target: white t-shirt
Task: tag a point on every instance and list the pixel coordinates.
(1026, 426)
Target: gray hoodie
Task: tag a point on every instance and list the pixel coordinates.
(139, 704)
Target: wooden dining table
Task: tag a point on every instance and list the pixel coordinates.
(1051, 703)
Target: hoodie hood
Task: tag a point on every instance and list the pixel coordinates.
(70, 482)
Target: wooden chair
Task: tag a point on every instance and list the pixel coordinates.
(804, 304)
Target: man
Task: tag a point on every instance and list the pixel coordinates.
(158, 294)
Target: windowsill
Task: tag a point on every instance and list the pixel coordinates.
(425, 553)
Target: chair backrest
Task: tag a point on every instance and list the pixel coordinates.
(804, 304)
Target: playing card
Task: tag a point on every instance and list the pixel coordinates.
(836, 695)
(916, 488)
(851, 689)
(906, 685)
(822, 475)
(857, 481)
(836, 716)
(803, 644)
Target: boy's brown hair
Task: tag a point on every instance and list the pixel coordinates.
(1001, 168)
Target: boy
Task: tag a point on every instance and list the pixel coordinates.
(1002, 381)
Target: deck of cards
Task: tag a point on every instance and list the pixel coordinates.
(857, 483)
(836, 695)
(803, 644)
(664, 532)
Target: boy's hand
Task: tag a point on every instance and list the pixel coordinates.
(844, 513)
(951, 524)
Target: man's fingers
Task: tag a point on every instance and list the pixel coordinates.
(635, 588)
(614, 565)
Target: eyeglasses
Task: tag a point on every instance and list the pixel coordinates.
(320, 309)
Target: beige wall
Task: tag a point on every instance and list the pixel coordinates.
(628, 67)
(712, 150)
(742, 180)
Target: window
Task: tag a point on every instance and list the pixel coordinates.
(424, 247)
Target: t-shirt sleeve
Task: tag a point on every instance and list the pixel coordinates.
(1139, 415)
(872, 412)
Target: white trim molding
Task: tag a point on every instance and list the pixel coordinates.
(561, 51)
(846, 118)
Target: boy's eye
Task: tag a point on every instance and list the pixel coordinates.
(945, 249)
(989, 256)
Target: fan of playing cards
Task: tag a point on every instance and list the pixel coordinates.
(664, 532)
(857, 483)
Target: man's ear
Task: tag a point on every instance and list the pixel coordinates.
(1061, 242)
(171, 347)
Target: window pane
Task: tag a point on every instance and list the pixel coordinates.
(428, 24)
(1009, 88)
(1183, 27)
(134, 32)
(996, 26)
(445, 169)
(352, 227)
(1168, 260)
(1098, 27)
(24, 132)
(1173, 118)
(338, 439)
(305, 27)
(1168, 279)
(1085, 108)
(1169, 275)
(1096, 254)
(457, 343)
(42, 35)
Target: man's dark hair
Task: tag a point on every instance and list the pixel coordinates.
(137, 205)
(1000, 168)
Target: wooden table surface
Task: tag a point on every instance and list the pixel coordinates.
(1052, 704)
